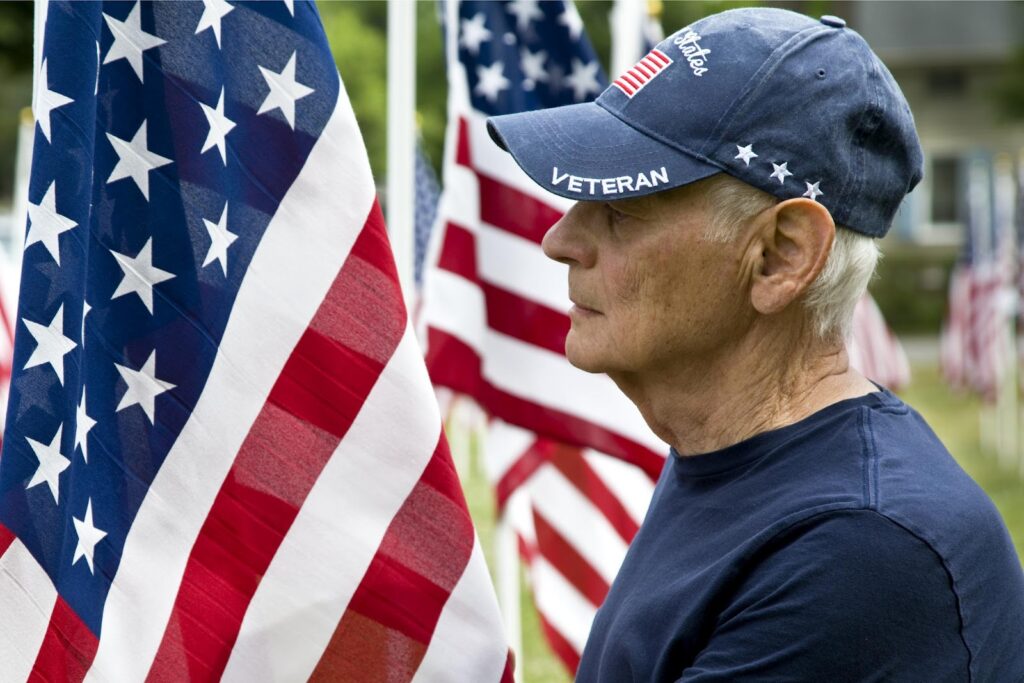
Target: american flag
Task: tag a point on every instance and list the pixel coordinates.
(643, 72)
(874, 350)
(572, 460)
(223, 456)
(975, 341)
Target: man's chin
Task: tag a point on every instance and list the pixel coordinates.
(588, 360)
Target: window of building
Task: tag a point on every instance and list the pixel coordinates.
(947, 186)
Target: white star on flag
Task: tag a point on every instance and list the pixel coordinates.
(491, 81)
(51, 344)
(135, 161)
(284, 91)
(524, 11)
(139, 275)
(745, 153)
(51, 463)
(474, 32)
(46, 101)
(570, 18)
(220, 240)
(85, 311)
(290, 4)
(130, 41)
(213, 12)
(780, 172)
(88, 537)
(220, 126)
(83, 423)
(812, 190)
(583, 79)
(143, 387)
(532, 64)
(46, 225)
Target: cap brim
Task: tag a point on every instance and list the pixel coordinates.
(584, 152)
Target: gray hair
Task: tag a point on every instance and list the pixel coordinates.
(832, 297)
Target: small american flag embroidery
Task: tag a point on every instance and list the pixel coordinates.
(634, 79)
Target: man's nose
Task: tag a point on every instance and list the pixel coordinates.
(568, 241)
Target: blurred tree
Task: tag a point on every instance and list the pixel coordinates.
(15, 84)
(1009, 92)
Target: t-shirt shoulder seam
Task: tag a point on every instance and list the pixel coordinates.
(819, 515)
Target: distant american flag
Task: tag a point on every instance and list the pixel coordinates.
(975, 340)
(222, 458)
(572, 460)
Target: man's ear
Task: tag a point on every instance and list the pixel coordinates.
(796, 239)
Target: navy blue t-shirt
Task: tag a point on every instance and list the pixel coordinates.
(848, 546)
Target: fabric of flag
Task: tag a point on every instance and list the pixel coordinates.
(874, 350)
(495, 317)
(975, 341)
(428, 192)
(223, 458)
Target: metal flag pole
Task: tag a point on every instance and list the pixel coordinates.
(627, 20)
(401, 136)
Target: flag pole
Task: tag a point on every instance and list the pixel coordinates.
(401, 130)
(627, 20)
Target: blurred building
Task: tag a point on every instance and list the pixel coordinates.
(949, 58)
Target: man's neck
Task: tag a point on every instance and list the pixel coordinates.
(763, 382)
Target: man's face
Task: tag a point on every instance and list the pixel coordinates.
(650, 291)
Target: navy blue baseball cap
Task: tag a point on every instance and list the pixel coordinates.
(791, 105)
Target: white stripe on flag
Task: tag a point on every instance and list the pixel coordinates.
(504, 446)
(504, 258)
(27, 592)
(521, 368)
(630, 485)
(577, 519)
(562, 605)
(302, 250)
(361, 488)
(465, 646)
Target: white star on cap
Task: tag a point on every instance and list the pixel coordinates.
(474, 32)
(143, 387)
(88, 537)
(130, 41)
(220, 126)
(525, 11)
(220, 240)
(491, 81)
(583, 79)
(139, 275)
(46, 225)
(51, 463)
(812, 190)
(213, 12)
(83, 423)
(51, 344)
(780, 171)
(135, 161)
(46, 101)
(570, 18)
(284, 91)
(745, 153)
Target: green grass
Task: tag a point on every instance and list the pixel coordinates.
(953, 417)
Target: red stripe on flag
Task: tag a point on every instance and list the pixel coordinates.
(458, 252)
(454, 364)
(514, 211)
(576, 469)
(660, 57)
(624, 86)
(561, 647)
(313, 403)
(390, 620)
(655, 66)
(508, 675)
(68, 647)
(6, 539)
(645, 69)
(561, 555)
(518, 474)
(633, 80)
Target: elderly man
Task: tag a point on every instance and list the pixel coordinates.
(808, 525)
